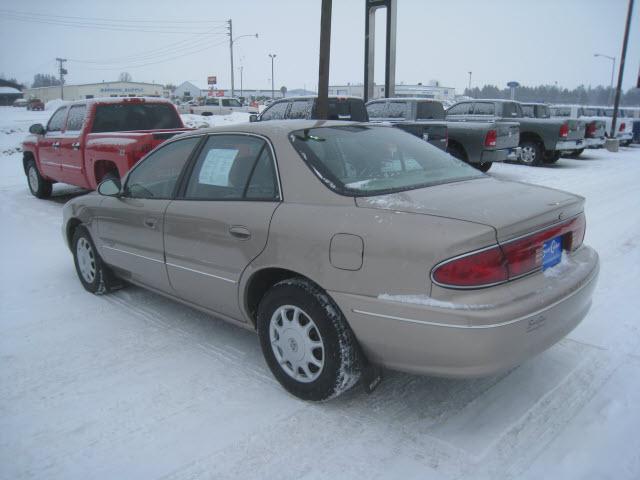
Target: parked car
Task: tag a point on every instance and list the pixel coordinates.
(20, 102)
(542, 139)
(346, 246)
(218, 106)
(35, 104)
(477, 143)
(297, 108)
(624, 124)
(595, 127)
(87, 141)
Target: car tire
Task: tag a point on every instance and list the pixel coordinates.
(38, 186)
(483, 166)
(306, 341)
(532, 153)
(552, 157)
(96, 277)
(576, 153)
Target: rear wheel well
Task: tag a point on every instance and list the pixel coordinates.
(531, 137)
(102, 168)
(457, 146)
(260, 283)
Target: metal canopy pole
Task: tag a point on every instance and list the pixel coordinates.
(322, 108)
(390, 47)
(621, 71)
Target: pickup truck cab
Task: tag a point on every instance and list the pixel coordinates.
(218, 106)
(478, 143)
(542, 139)
(595, 131)
(305, 108)
(87, 141)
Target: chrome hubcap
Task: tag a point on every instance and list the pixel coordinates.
(33, 178)
(528, 154)
(86, 260)
(296, 343)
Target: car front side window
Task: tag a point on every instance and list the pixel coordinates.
(57, 120)
(275, 111)
(157, 175)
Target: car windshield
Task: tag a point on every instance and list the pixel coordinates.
(366, 160)
(120, 117)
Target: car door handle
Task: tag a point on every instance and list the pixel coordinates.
(242, 233)
(56, 145)
(75, 146)
(150, 222)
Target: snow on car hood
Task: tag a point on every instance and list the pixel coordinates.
(512, 208)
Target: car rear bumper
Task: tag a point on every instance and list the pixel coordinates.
(501, 154)
(474, 340)
(594, 142)
(570, 144)
(625, 136)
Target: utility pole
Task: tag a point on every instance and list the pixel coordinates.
(62, 71)
(273, 96)
(241, 68)
(323, 68)
(616, 102)
(230, 27)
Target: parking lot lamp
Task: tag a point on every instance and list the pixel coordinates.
(613, 68)
(273, 90)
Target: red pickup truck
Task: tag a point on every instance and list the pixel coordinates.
(87, 141)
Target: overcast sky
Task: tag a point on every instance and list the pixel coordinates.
(533, 42)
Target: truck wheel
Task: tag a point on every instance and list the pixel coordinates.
(576, 153)
(483, 167)
(531, 153)
(95, 276)
(552, 156)
(306, 341)
(39, 187)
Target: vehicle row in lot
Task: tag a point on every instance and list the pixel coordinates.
(214, 106)
(345, 246)
(89, 140)
(624, 122)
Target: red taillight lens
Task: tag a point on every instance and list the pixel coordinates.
(480, 269)
(622, 127)
(591, 130)
(491, 138)
(564, 130)
(509, 260)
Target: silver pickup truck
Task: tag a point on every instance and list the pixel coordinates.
(595, 131)
(479, 143)
(542, 139)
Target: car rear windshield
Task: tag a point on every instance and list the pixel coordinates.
(366, 160)
(127, 117)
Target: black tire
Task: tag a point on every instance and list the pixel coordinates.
(102, 281)
(552, 157)
(483, 166)
(532, 153)
(38, 186)
(576, 153)
(340, 354)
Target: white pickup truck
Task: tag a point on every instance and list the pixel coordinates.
(218, 106)
(624, 124)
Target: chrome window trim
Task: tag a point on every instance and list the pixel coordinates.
(133, 254)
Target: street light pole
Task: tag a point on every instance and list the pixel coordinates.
(469, 81)
(273, 90)
(613, 68)
(241, 67)
(231, 42)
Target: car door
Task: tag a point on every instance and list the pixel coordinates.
(130, 226)
(49, 145)
(71, 149)
(220, 221)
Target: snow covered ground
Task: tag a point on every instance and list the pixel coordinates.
(132, 385)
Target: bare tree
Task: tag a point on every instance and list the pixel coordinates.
(125, 77)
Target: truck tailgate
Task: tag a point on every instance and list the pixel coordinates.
(508, 134)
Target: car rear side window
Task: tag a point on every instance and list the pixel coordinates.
(275, 111)
(76, 118)
(156, 176)
(126, 117)
(564, 111)
(57, 120)
(230, 102)
(233, 167)
(484, 108)
(377, 109)
(430, 111)
(347, 109)
(459, 109)
(511, 110)
(399, 110)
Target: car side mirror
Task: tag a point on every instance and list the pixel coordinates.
(109, 187)
(253, 118)
(37, 129)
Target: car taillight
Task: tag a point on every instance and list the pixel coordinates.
(564, 130)
(509, 260)
(591, 130)
(491, 138)
(622, 127)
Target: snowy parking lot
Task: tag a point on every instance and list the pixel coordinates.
(132, 385)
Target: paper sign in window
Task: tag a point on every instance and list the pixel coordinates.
(216, 167)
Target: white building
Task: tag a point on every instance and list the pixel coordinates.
(435, 92)
(95, 90)
(188, 89)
